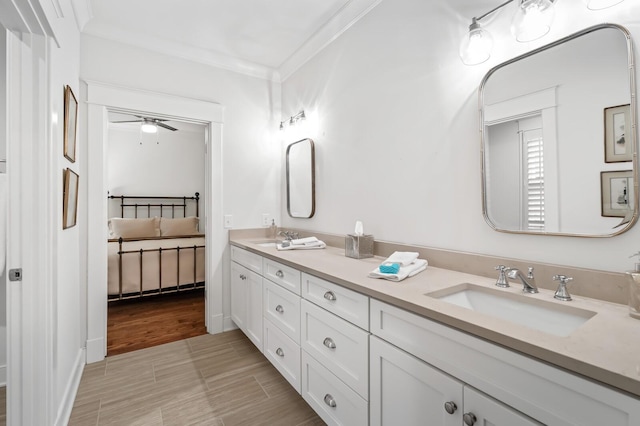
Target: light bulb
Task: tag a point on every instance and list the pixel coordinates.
(476, 46)
(532, 20)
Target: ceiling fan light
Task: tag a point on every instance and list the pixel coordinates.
(532, 20)
(476, 45)
(147, 127)
(601, 4)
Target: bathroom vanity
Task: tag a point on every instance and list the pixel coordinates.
(368, 351)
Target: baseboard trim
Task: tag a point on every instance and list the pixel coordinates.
(216, 324)
(3, 375)
(69, 396)
(96, 350)
(229, 324)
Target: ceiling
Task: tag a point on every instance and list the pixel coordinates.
(268, 39)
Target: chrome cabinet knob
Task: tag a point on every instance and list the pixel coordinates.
(328, 342)
(330, 296)
(328, 399)
(279, 309)
(450, 407)
(469, 419)
(279, 274)
(243, 277)
(279, 352)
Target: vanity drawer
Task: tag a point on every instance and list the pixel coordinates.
(247, 259)
(340, 346)
(280, 274)
(283, 353)
(335, 402)
(282, 308)
(347, 304)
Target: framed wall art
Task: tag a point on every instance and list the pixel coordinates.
(70, 124)
(617, 128)
(70, 198)
(617, 193)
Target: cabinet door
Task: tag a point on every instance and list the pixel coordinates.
(407, 391)
(254, 309)
(481, 410)
(239, 277)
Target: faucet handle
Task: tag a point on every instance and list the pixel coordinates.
(502, 278)
(562, 293)
(530, 272)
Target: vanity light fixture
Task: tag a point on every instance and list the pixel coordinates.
(293, 119)
(601, 4)
(532, 20)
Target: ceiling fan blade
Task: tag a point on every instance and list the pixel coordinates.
(166, 126)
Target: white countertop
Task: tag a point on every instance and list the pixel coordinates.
(606, 348)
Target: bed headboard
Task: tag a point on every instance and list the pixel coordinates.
(154, 205)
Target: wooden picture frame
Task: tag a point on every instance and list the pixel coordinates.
(617, 129)
(617, 193)
(70, 124)
(70, 198)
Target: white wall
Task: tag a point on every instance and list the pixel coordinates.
(172, 165)
(398, 142)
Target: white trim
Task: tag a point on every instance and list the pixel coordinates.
(71, 390)
(100, 98)
(519, 106)
(229, 324)
(351, 13)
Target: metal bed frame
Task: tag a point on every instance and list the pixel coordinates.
(128, 201)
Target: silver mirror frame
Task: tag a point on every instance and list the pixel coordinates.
(313, 179)
(633, 109)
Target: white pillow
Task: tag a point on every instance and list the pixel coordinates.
(134, 228)
(178, 226)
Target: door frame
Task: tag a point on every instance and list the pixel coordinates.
(101, 97)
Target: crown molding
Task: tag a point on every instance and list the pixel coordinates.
(82, 11)
(346, 17)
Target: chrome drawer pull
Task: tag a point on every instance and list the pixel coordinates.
(469, 419)
(279, 274)
(328, 399)
(450, 407)
(279, 309)
(328, 342)
(279, 352)
(330, 296)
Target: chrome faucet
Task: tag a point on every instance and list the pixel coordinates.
(528, 282)
(289, 235)
(502, 278)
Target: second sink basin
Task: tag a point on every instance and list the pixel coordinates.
(552, 318)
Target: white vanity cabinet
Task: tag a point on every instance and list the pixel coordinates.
(246, 294)
(406, 390)
(519, 387)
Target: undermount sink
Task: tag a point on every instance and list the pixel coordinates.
(552, 318)
(265, 243)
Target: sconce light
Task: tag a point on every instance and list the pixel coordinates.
(476, 46)
(532, 20)
(293, 119)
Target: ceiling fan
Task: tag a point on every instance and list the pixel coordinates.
(149, 124)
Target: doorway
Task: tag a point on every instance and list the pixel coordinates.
(101, 98)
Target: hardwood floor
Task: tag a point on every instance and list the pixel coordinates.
(154, 320)
(220, 380)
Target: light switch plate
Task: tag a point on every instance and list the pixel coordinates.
(265, 219)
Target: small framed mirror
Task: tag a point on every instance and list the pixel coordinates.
(301, 171)
(559, 138)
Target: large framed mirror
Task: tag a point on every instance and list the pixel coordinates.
(301, 181)
(559, 138)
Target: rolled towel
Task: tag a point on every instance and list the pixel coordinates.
(405, 271)
(402, 257)
(304, 241)
(308, 246)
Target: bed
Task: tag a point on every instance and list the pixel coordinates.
(154, 246)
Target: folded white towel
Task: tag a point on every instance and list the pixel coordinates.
(308, 246)
(304, 241)
(405, 271)
(404, 258)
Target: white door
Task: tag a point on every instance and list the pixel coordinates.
(482, 410)
(407, 391)
(239, 286)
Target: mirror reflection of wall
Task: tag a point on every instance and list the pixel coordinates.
(568, 85)
(301, 179)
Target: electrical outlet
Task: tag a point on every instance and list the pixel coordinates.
(265, 219)
(228, 221)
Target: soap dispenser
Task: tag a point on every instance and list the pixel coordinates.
(273, 229)
(634, 289)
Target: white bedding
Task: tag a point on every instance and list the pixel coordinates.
(150, 264)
